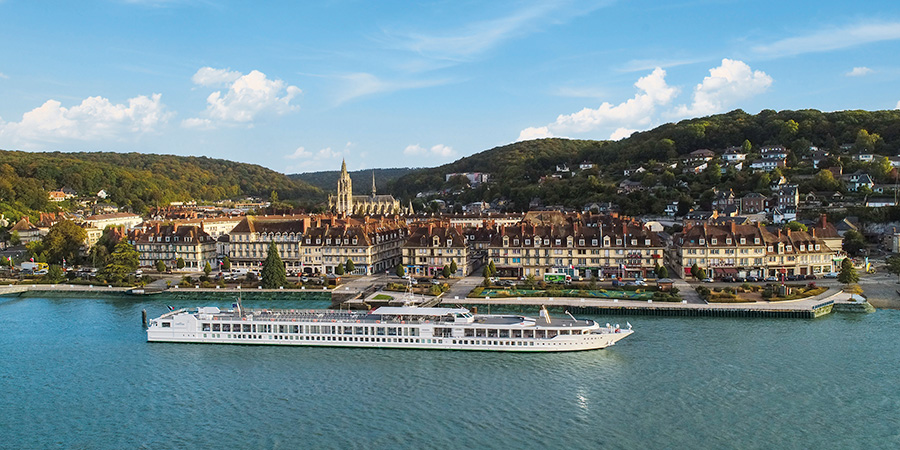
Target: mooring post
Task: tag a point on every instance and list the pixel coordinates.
(144, 318)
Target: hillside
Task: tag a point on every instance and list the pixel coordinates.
(517, 169)
(362, 179)
(137, 180)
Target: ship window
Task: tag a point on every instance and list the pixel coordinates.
(379, 331)
(205, 327)
(479, 333)
(470, 332)
(491, 333)
(504, 333)
(528, 333)
(392, 331)
(226, 327)
(358, 330)
(167, 324)
(246, 328)
(217, 327)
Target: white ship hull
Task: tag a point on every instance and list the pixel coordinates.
(410, 328)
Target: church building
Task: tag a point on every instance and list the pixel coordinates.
(347, 203)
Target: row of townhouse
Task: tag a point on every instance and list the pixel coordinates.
(170, 243)
(754, 250)
(432, 246)
(603, 246)
(318, 244)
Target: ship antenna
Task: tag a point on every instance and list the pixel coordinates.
(240, 306)
(570, 315)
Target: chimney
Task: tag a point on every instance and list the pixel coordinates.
(824, 221)
(779, 233)
(788, 232)
(733, 228)
(430, 228)
(813, 229)
(202, 226)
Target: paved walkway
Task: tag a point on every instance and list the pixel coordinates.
(687, 292)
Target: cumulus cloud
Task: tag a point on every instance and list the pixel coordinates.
(732, 81)
(95, 118)
(299, 153)
(653, 91)
(534, 133)
(621, 133)
(247, 97)
(436, 150)
(859, 71)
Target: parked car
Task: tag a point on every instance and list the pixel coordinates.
(708, 280)
(304, 278)
(831, 275)
(792, 277)
(811, 276)
(640, 282)
(752, 279)
(772, 279)
(729, 279)
(435, 281)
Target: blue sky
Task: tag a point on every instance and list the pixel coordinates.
(297, 86)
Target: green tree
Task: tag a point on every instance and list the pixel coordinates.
(493, 267)
(64, 241)
(349, 266)
(446, 271)
(207, 269)
(160, 266)
(893, 264)
(487, 271)
(339, 270)
(530, 282)
(179, 263)
(399, 270)
(226, 264)
(273, 272)
(695, 271)
(848, 273)
(453, 267)
(99, 255)
(662, 272)
(795, 226)
(14, 238)
(854, 242)
(54, 274)
(122, 261)
(746, 147)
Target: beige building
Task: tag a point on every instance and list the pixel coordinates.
(347, 203)
(753, 250)
(318, 244)
(168, 243)
(579, 246)
(101, 221)
(432, 246)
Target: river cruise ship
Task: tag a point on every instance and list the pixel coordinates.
(385, 327)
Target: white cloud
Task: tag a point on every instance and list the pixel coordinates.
(621, 133)
(534, 133)
(859, 71)
(898, 105)
(832, 38)
(437, 150)
(247, 97)
(207, 76)
(361, 84)
(732, 81)
(95, 118)
(652, 92)
(4, 76)
(299, 153)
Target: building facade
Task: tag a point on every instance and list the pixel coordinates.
(169, 243)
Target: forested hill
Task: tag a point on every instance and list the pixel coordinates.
(362, 179)
(137, 180)
(517, 168)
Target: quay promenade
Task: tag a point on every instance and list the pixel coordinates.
(822, 304)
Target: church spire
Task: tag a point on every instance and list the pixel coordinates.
(373, 182)
(343, 166)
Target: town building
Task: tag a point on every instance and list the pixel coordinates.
(101, 221)
(430, 247)
(169, 243)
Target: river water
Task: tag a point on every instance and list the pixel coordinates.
(78, 373)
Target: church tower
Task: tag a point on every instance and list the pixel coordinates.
(373, 183)
(344, 191)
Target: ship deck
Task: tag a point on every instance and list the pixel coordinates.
(350, 317)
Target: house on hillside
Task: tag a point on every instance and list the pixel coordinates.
(767, 164)
(857, 180)
(585, 165)
(773, 151)
(818, 157)
(753, 203)
(864, 157)
(701, 155)
(695, 168)
(734, 155)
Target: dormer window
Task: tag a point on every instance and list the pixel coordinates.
(354, 241)
(756, 240)
(527, 241)
(817, 246)
(789, 248)
(743, 241)
(702, 241)
(581, 242)
(771, 249)
(319, 241)
(546, 241)
(594, 242)
(647, 242)
(713, 241)
(328, 241)
(618, 242)
(727, 241)
(515, 242)
(634, 242)
(559, 242)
